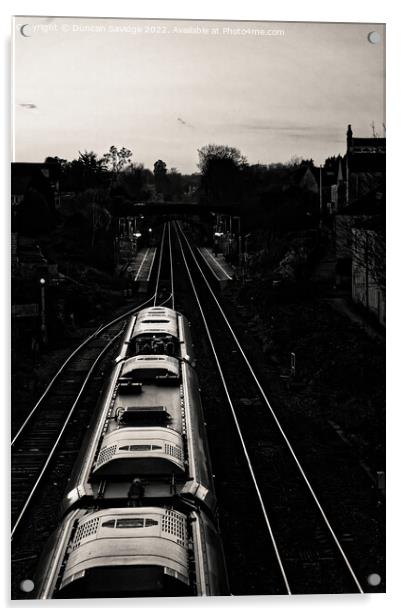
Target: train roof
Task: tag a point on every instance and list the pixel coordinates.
(114, 538)
(156, 320)
(151, 363)
(143, 451)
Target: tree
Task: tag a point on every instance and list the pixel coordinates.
(87, 171)
(91, 162)
(222, 173)
(369, 252)
(62, 162)
(220, 152)
(175, 184)
(134, 182)
(160, 172)
(116, 160)
(91, 206)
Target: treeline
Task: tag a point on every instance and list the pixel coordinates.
(283, 195)
(93, 188)
(116, 173)
(224, 176)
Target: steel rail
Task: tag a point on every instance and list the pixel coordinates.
(243, 444)
(273, 414)
(171, 267)
(171, 294)
(65, 424)
(159, 264)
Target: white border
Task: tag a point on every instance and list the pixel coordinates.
(285, 10)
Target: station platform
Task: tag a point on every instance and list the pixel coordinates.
(140, 268)
(143, 264)
(221, 270)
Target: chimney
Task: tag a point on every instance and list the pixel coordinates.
(349, 148)
(340, 173)
(349, 136)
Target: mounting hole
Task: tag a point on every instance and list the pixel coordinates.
(374, 579)
(27, 585)
(374, 37)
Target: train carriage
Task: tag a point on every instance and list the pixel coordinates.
(130, 552)
(157, 330)
(149, 426)
(142, 480)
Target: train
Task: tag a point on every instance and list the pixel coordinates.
(139, 515)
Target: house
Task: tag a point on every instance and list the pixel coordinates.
(43, 177)
(360, 251)
(28, 180)
(360, 200)
(365, 165)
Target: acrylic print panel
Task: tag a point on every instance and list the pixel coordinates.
(198, 308)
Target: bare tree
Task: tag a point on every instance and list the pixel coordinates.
(93, 210)
(117, 159)
(369, 259)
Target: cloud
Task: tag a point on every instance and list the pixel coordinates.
(271, 127)
(299, 131)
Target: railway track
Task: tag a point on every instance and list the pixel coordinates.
(74, 357)
(34, 448)
(45, 446)
(304, 547)
(276, 535)
(43, 455)
(164, 286)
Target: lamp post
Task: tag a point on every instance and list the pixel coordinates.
(239, 239)
(246, 239)
(320, 221)
(246, 255)
(217, 238)
(136, 236)
(43, 328)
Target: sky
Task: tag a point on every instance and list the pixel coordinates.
(164, 89)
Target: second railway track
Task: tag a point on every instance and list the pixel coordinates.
(309, 556)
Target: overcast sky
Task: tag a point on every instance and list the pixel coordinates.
(165, 95)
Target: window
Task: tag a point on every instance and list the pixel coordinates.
(149, 522)
(139, 447)
(130, 523)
